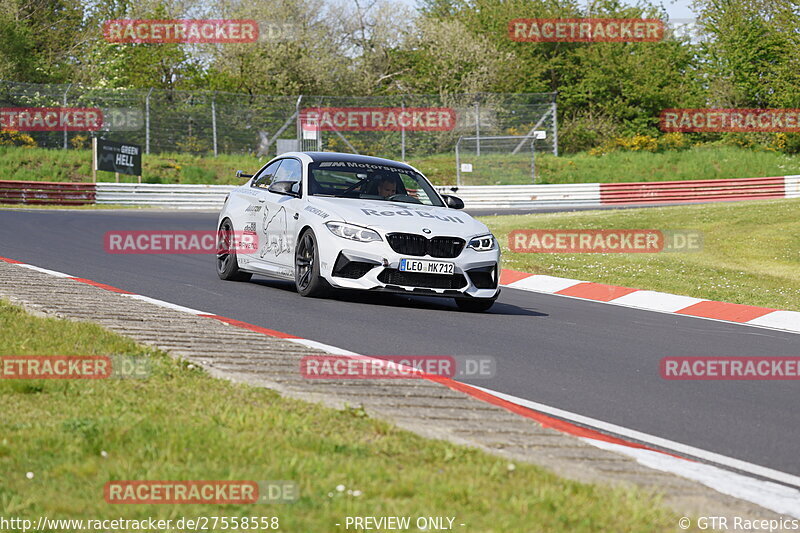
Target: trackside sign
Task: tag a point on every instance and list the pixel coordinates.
(378, 119)
(124, 158)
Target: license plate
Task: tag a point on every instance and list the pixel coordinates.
(426, 267)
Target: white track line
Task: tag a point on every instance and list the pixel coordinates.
(773, 496)
(44, 270)
(691, 451)
(321, 346)
(162, 303)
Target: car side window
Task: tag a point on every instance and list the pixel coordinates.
(291, 170)
(264, 178)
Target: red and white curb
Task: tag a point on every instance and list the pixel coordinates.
(653, 301)
(769, 488)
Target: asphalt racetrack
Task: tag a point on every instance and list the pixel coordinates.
(594, 359)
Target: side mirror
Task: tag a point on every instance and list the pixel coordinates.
(453, 202)
(240, 174)
(283, 187)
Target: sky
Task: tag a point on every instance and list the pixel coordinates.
(679, 9)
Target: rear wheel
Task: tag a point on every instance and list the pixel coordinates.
(227, 266)
(475, 305)
(307, 278)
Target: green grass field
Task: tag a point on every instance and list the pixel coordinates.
(180, 424)
(750, 253)
(39, 164)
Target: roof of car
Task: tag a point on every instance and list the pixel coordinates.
(338, 156)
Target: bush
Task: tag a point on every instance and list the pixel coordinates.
(643, 143)
(585, 131)
(15, 138)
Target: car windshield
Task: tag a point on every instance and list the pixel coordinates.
(352, 179)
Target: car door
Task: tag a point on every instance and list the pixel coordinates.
(246, 205)
(283, 201)
(256, 214)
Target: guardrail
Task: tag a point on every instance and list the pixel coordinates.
(46, 192)
(179, 196)
(526, 196)
(157, 195)
(693, 191)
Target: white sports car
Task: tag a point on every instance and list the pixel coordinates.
(331, 220)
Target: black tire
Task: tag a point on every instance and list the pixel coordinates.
(307, 278)
(475, 305)
(227, 266)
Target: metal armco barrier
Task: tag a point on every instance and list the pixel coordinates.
(169, 196)
(475, 197)
(525, 196)
(46, 192)
(693, 191)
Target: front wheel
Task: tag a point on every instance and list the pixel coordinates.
(227, 266)
(475, 305)
(307, 278)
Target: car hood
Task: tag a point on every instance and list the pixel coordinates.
(401, 217)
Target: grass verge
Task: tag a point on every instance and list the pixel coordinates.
(709, 162)
(180, 424)
(749, 254)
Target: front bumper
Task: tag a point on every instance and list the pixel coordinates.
(374, 266)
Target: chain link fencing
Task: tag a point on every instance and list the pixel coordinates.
(396, 126)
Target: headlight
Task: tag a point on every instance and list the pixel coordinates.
(484, 243)
(352, 232)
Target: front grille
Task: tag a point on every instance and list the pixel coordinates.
(408, 243)
(391, 276)
(419, 245)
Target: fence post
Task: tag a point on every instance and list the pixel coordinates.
(458, 164)
(214, 121)
(555, 129)
(147, 121)
(403, 133)
(65, 105)
(477, 128)
(94, 158)
(299, 124)
(533, 159)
